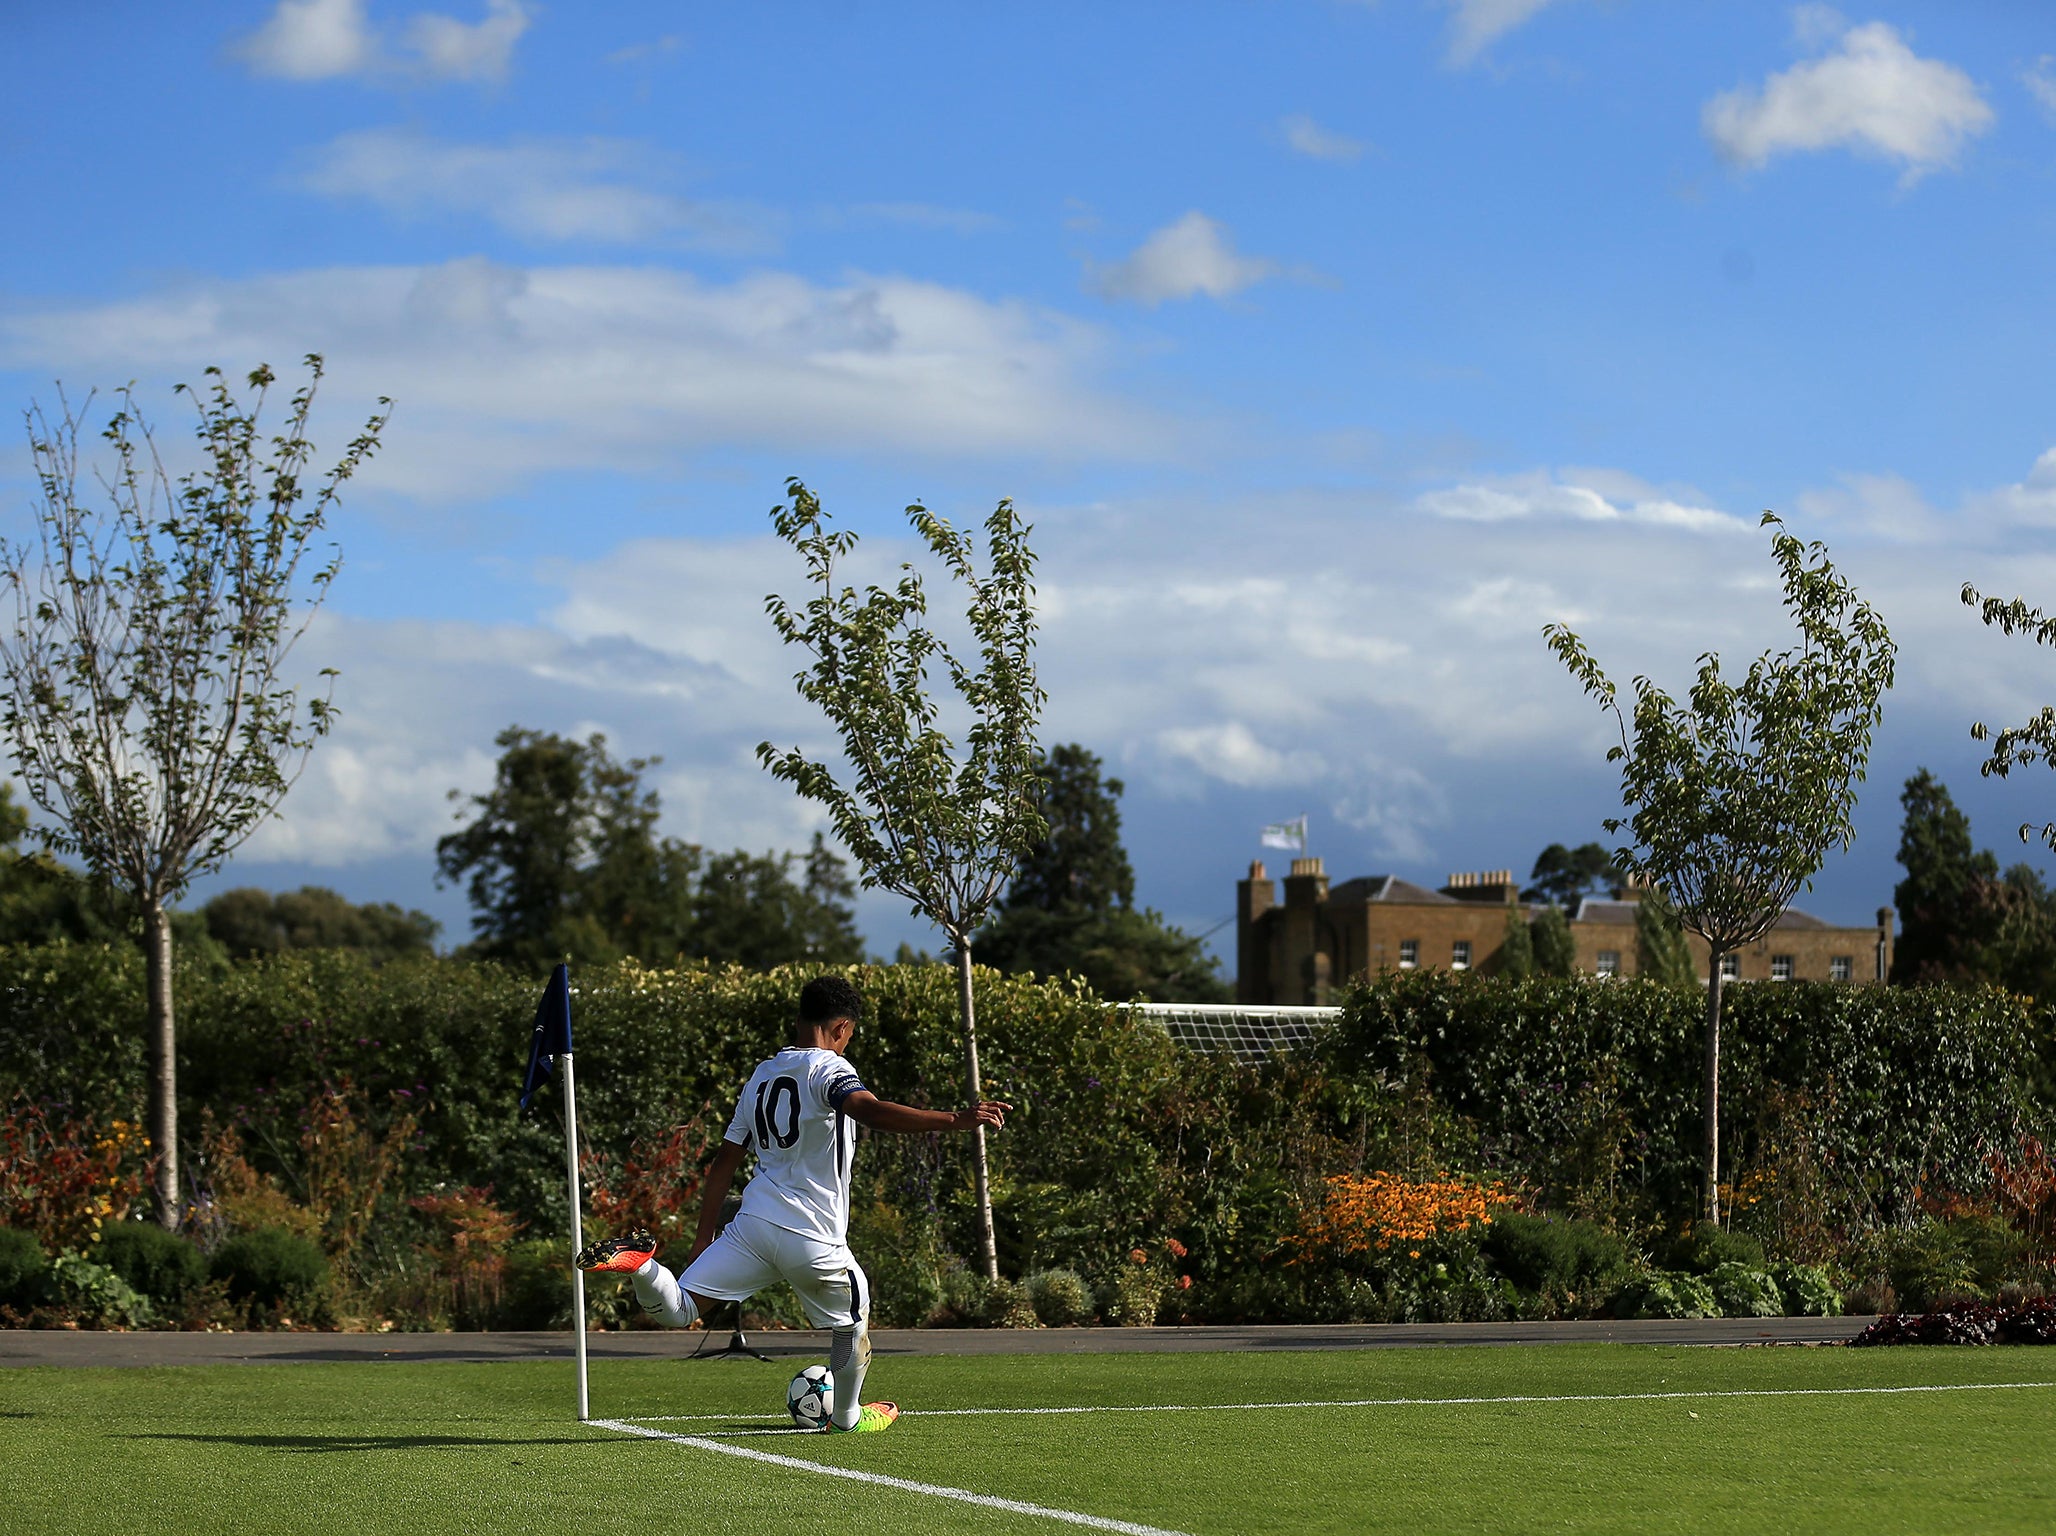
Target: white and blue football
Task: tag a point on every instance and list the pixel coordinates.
(810, 1398)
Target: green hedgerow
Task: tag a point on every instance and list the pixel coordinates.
(1061, 1298)
(22, 1262)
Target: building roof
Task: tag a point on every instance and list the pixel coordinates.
(1392, 889)
(1601, 909)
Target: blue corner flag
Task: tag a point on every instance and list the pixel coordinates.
(552, 1037)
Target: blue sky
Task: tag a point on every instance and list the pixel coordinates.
(1333, 348)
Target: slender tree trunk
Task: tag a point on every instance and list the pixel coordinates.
(988, 1248)
(163, 1059)
(1713, 980)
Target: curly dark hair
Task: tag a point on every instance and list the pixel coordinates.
(827, 998)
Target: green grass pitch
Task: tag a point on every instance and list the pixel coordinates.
(430, 1448)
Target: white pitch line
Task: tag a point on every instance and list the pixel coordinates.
(905, 1485)
(1396, 1402)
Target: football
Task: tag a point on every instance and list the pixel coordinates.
(810, 1398)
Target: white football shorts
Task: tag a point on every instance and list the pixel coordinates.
(751, 1255)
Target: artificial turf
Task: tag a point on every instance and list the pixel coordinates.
(466, 1448)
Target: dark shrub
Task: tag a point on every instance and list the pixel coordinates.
(162, 1265)
(22, 1263)
(267, 1267)
(1704, 1249)
(1570, 1260)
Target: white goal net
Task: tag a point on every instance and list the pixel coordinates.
(1248, 1032)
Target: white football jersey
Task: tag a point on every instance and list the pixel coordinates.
(791, 1116)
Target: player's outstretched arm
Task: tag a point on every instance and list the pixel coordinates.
(867, 1109)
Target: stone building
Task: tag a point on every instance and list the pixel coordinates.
(1299, 951)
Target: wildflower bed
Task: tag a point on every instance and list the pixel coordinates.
(1588, 1438)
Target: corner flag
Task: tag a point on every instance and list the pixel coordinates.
(552, 1037)
(550, 1042)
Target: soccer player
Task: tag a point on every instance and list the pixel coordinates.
(794, 1221)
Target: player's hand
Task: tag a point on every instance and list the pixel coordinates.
(989, 1112)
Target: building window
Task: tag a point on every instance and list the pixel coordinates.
(1609, 962)
(1409, 954)
(1460, 955)
(1730, 967)
(1780, 967)
(1842, 968)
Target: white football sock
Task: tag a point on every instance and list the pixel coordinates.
(661, 1296)
(849, 1356)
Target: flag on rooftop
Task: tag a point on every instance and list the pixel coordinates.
(1286, 834)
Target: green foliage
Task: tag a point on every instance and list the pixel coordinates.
(269, 1268)
(22, 1262)
(162, 1265)
(1517, 950)
(1070, 909)
(2022, 744)
(1555, 951)
(1807, 1290)
(1665, 1293)
(1704, 1248)
(78, 1290)
(1573, 1085)
(1061, 1298)
(1661, 954)
(1561, 875)
(248, 922)
(1570, 1267)
(562, 861)
(943, 831)
(1960, 919)
(1737, 794)
(1742, 1290)
(535, 1291)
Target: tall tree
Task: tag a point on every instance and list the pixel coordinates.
(1738, 792)
(1555, 951)
(562, 860)
(1070, 910)
(147, 692)
(942, 827)
(1947, 912)
(1661, 954)
(1562, 875)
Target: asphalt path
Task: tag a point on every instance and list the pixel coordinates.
(64, 1347)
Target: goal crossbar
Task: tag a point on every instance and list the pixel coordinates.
(1251, 1031)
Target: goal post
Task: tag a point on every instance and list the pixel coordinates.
(1249, 1033)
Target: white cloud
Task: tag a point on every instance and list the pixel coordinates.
(1884, 506)
(1230, 752)
(1574, 495)
(1872, 94)
(1184, 259)
(503, 372)
(312, 40)
(330, 39)
(453, 50)
(1479, 23)
(2041, 82)
(539, 189)
(1306, 137)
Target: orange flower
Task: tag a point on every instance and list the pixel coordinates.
(1185, 1282)
(1362, 1212)
(1137, 1256)
(1177, 1248)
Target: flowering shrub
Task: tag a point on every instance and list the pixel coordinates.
(61, 1181)
(655, 1184)
(1362, 1213)
(471, 1259)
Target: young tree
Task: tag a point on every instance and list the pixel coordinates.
(1517, 951)
(1661, 954)
(2020, 744)
(1738, 792)
(1555, 950)
(1070, 909)
(940, 826)
(146, 694)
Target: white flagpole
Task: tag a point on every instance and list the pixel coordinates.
(577, 1229)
